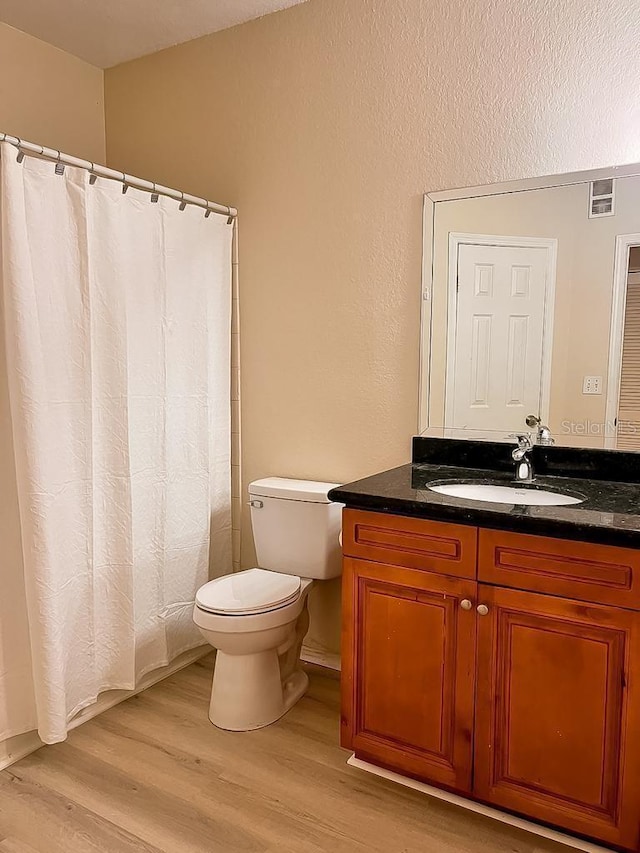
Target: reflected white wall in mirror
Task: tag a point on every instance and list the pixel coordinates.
(531, 306)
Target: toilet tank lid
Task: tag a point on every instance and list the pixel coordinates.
(293, 490)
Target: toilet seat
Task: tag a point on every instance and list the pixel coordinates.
(248, 593)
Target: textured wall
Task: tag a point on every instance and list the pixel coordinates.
(50, 97)
(325, 124)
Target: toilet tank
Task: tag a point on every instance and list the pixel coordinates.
(296, 528)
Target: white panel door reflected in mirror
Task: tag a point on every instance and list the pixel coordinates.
(500, 316)
(531, 306)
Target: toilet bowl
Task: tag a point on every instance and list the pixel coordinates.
(257, 619)
(256, 678)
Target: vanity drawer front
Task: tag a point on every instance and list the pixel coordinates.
(414, 543)
(603, 574)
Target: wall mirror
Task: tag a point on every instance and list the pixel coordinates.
(531, 309)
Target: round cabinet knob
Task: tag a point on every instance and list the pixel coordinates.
(466, 604)
(482, 609)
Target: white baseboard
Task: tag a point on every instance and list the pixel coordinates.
(478, 808)
(330, 660)
(15, 748)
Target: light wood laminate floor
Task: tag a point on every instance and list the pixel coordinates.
(152, 774)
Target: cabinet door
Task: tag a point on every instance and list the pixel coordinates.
(408, 671)
(557, 713)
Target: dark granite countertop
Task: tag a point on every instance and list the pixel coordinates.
(609, 514)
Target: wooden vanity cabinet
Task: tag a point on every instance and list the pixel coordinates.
(408, 671)
(557, 723)
(526, 700)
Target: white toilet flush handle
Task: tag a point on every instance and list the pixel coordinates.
(255, 504)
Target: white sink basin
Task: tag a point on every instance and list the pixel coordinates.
(505, 494)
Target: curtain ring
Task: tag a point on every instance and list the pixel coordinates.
(207, 212)
(183, 203)
(20, 155)
(92, 177)
(229, 217)
(154, 194)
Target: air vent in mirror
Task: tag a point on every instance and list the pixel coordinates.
(601, 198)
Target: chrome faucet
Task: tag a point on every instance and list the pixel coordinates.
(520, 455)
(543, 435)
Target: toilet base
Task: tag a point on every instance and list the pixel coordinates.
(248, 693)
(295, 688)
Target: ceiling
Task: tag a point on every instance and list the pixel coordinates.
(108, 32)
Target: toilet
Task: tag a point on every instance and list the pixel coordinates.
(258, 618)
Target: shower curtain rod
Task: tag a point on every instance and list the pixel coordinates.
(127, 180)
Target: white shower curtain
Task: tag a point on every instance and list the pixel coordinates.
(117, 325)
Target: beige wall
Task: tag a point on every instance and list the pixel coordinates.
(50, 97)
(583, 290)
(325, 124)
